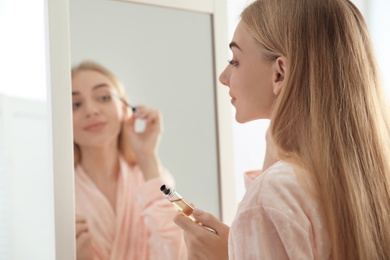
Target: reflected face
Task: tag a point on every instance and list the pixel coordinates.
(249, 78)
(97, 112)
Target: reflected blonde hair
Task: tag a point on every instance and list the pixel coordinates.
(331, 117)
(123, 140)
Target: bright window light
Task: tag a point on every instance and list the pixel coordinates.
(22, 49)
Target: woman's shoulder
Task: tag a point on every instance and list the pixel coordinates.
(282, 186)
(277, 177)
(281, 205)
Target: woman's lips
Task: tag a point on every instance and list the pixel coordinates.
(94, 127)
(233, 99)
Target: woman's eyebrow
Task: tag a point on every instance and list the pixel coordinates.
(100, 85)
(234, 44)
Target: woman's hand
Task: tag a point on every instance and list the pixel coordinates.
(202, 243)
(144, 143)
(83, 239)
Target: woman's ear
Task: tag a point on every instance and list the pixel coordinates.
(279, 74)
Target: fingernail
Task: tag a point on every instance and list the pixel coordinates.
(197, 211)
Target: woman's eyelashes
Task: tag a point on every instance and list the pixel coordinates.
(76, 105)
(104, 98)
(232, 62)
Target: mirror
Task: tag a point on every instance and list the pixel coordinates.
(164, 57)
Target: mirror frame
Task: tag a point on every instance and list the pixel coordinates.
(57, 22)
(204, 6)
(59, 82)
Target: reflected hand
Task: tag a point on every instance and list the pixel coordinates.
(144, 143)
(83, 239)
(202, 243)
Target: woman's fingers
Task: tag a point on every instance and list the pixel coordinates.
(81, 228)
(210, 221)
(151, 116)
(206, 220)
(146, 113)
(83, 239)
(185, 223)
(81, 225)
(201, 243)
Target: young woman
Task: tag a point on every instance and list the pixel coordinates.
(324, 190)
(120, 211)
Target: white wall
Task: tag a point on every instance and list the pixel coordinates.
(379, 23)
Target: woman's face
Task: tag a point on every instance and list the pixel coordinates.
(97, 112)
(249, 78)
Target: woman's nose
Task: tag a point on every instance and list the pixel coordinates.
(91, 109)
(224, 77)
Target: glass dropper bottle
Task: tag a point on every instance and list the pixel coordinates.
(178, 201)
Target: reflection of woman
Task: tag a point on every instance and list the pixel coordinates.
(324, 191)
(120, 211)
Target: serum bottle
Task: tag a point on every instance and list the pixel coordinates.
(178, 201)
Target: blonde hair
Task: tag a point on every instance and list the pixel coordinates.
(332, 117)
(123, 140)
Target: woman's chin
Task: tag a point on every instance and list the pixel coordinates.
(242, 119)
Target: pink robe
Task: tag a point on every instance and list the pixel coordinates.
(142, 227)
(278, 219)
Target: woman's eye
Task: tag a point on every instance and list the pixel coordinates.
(233, 63)
(105, 98)
(76, 105)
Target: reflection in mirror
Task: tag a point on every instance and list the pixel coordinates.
(165, 63)
(118, 173)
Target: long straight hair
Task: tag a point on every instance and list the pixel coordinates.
(123, 140)
(332, 117)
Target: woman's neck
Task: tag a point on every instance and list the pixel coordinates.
(100, 162)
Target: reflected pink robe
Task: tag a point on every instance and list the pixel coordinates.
(278, 219)
(142, 227)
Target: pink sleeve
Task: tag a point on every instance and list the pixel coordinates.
(166, 239)
(267, 233)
